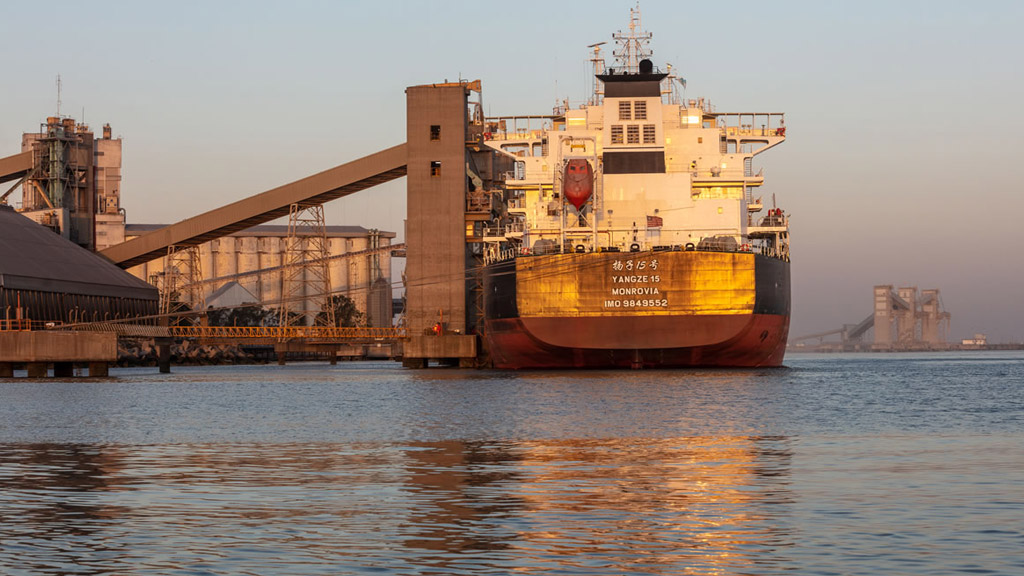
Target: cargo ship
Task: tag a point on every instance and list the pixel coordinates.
(633, 232)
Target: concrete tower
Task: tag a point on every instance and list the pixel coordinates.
(436, 270)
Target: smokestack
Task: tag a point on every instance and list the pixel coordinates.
(106, 131)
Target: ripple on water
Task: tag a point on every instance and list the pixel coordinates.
(842, 465)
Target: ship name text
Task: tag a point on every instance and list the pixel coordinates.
(619, 290)
(635, 279)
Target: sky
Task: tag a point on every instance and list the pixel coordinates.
(905, 119)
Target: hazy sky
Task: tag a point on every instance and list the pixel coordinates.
(905, 119)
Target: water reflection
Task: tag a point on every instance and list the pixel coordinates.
(45, 497)
(686, 505)
(682, 505)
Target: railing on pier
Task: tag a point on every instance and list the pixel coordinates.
(323, 333)
(24, 325)
(332, 333)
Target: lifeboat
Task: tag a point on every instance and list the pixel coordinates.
(578, 182)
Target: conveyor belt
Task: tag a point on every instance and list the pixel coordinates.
(15, 167)
(328, 185)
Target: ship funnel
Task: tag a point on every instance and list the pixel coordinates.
(646, 66)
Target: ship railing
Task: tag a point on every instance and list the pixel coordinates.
(765, 124)
(500, 255)
(747, 130)
(478, 201)
(517, 135)
(504, 230)
(774, 221)
(517, 127)
(780, 251)
(717, 174)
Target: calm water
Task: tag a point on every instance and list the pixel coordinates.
(858, 464)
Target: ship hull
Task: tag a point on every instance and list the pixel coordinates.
(700, 309)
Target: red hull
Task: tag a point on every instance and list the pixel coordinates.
(737, 341)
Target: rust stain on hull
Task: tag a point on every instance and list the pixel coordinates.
(635, 310)
(635, 284)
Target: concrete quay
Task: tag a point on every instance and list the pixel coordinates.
(37, 350)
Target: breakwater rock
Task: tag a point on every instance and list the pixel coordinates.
(143, 352)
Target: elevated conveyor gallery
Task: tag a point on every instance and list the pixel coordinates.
(331, 184)
(15, 167)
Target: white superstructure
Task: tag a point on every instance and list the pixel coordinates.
(668, 172)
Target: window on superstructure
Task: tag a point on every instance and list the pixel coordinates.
(648, 133)
(632, 134)
(435, 132)
(625, 111)
(640, 110)
(617, 134)
(435, 168)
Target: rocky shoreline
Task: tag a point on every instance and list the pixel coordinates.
(143, 352)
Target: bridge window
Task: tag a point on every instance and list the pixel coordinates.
(435, 168)
(435, 132)
(632, 134)
(617, 134)
(648, 133)
(624, 110)
(640, 110)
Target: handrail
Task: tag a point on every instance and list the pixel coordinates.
(289, 332)
(234, 332)
(492, 256)
(26, 325)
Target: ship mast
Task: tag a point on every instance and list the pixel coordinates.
(633, 47)
(597, 86)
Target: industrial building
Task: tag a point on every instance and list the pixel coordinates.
(46, 280)
(359, 266)
(453, 183)
(71, 183)
(902, 319)
(907, 319)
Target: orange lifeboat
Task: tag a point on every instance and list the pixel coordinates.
(578, 182)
